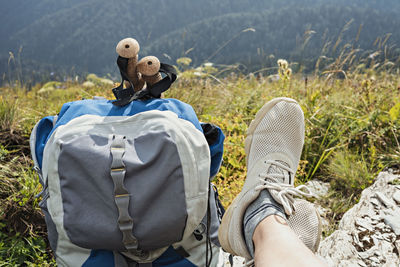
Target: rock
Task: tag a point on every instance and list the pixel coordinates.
(364, 223)
(375, 219)
(385, 201)
(397, 245)
(236, 260)
(393, 220)
(396, 197)
(380, 225)
(323, 213)
(366, 235)
(389, 237)
(347, 255)
(318, 188)
(361, 263)
(375, 202)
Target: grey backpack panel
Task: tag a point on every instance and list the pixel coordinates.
(166, 167)
(216, 217)
(52, 234)
(84, 170)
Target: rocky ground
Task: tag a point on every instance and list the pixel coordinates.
(368, 234)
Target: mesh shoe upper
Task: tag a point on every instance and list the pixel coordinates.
(282, 131)
(306, 223)
(273, 146)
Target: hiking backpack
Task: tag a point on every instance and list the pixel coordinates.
(126, 182)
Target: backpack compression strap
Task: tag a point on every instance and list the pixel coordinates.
(122, 197)
(126, 95)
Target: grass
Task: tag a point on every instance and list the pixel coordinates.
(352, 133)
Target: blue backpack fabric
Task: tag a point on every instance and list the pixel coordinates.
(75, 109)
(72, 110)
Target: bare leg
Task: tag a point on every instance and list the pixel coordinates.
(277, 245)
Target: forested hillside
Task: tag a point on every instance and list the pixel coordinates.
(72, 36)
(282, 33)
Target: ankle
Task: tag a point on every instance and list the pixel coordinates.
(268, 225)
(260, 209)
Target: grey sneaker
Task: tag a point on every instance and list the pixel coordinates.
(273, 147)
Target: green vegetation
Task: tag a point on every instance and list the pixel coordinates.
(352, 132)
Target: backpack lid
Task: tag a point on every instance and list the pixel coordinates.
(79, 108)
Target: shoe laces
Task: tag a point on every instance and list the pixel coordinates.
(282, 193)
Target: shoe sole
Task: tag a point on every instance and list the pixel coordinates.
(224, 229)
(258, 118)
(319, 232)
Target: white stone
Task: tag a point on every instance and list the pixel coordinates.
(224, 259)
(376, 245)
(364, 255)
(396, 196)
(385, 201)
(375, 219)
(361, 263)
(397, 245)
(380, 225)
(318, 188)
(374, 259)
(364, 223)
(393, 220)
(375, 202)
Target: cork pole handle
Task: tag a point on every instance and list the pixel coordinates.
(149, 68)
(129, 48)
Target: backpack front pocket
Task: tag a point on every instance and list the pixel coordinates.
(153, 178)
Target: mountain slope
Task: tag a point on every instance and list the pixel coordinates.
(83, 34)
(276, 32)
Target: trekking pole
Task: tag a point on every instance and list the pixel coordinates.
(149, 68)
(129, 48)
